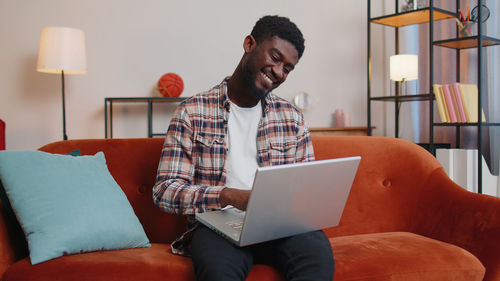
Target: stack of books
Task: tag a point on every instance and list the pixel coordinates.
(457, 102)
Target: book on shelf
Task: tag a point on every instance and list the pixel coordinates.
(470, 97)
(458, 97)
(438, 94)
(457, 102)
(450, 104)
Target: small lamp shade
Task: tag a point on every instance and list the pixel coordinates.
(62, 49)
(403, 67)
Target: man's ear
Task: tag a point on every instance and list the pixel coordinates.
(249, 43)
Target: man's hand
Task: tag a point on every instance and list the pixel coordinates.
(235, 197)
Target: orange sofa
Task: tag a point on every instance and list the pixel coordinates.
(2, 135)
(404, 220)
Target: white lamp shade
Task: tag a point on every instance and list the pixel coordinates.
(404, 67)
(62, 49)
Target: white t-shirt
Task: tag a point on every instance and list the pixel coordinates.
(241, 159)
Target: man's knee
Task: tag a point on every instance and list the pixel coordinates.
(310, 242)
(214, 258)
(308, 256)
(316, 246)
(220, 268)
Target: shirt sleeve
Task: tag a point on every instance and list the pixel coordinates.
(174, 191)
(305, 151)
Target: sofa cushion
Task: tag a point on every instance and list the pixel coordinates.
(373, 257)
(153, 264)
(402, 256)
(67, 204)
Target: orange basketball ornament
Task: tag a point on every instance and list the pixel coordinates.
(170, 85)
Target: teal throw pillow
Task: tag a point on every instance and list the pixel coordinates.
(8, 208)
(68, 205)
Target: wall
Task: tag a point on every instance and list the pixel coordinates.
(130, 44)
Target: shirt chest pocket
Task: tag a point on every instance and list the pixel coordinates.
(209, 152)
(282, 150)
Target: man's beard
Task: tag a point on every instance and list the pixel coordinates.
(250, 83)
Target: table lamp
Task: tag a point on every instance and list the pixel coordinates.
(62, 50)
(403, 68)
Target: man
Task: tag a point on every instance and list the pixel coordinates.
(213, 146)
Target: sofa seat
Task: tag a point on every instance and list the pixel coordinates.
(155, 263)
(380, 256)
(402, 256)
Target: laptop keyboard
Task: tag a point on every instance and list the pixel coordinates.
(235, 224)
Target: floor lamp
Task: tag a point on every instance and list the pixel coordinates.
(62, 51)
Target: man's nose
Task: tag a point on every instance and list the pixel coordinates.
(278, 72)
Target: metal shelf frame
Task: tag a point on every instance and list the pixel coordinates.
(467, 42)
(403, 98)
(108, 107)
(400, 19)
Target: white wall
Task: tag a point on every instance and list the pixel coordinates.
(130, 44)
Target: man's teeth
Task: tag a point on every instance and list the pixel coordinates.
(267, 78)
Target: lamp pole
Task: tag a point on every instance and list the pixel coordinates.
(65, 137)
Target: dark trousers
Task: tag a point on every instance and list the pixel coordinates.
(305, 257)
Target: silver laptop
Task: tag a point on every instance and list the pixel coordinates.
(288, 200)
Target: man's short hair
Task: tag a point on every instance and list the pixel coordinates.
(269, 26)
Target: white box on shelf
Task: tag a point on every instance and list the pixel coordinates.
(445, 157)
(461, 167)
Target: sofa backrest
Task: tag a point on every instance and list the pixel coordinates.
(391, 183)
(385, 193)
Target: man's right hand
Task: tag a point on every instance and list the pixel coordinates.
(235, 197)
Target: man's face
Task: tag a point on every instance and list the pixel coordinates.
(268, 64)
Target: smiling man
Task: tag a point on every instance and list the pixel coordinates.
(214, 144)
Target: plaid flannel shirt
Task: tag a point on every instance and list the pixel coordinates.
(191, 172)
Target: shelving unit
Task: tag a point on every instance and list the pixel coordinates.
(108, 107)
(397, 20)
(430, 15)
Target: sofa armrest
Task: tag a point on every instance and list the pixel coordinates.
(402, 187)
(12, 243)
(449, 213)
